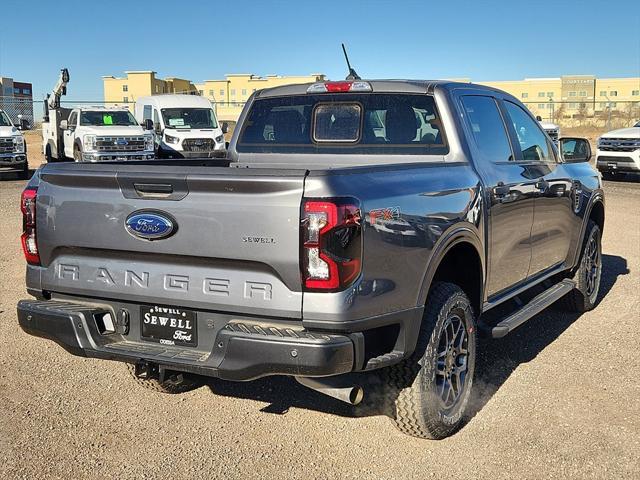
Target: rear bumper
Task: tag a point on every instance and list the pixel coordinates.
(239, 350)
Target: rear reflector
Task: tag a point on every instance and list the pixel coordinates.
(331, 244)
(28, 238)
(340, 87)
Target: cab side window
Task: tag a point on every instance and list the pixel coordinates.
(533, 142)
(488, 129)
(73, 119)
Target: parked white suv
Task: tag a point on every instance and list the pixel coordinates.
(619, 151)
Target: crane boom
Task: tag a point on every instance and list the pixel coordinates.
(53, 99)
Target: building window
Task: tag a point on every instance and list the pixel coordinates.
(613, 104)
(583, 93)
(244, 92)
(233, 92)
(635, 93)
(573, 94)
(542, 106)
(125, 88)
(573, 105)
(16, 90)
(550, 94)
(211, 93)
(157, 89)
(221, 92)
(603, 93)
(540, 94)
(524, 95)
(26, 91)
(603, 105)
(613, 93)
(125, 99)
(200, 92)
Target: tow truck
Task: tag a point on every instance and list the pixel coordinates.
(92, 133)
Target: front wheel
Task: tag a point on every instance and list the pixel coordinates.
(77, 154)
(430, 390)
(584, 296)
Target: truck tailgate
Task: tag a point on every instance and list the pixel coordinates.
(236, 247)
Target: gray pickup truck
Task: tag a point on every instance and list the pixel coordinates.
(356, 229)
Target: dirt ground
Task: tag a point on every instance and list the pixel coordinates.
(558, 398)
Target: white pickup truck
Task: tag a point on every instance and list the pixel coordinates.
(13, 150)
(619, 151)
(185, 126)
(96, 134)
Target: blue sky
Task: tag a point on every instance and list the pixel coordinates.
(483, 40)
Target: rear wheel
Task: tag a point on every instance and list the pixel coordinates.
(173, 384)
(584, 296)
(47, 154)
(430, 390)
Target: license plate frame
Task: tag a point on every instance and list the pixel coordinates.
(168, 325)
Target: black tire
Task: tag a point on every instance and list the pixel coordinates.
(173, 385)
(589, 273)
(24, 174)
(416, 386)
(77, 153)
(47, 154)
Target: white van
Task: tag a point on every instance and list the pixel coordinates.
(185, 126)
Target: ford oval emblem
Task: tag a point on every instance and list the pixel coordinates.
(150, 225)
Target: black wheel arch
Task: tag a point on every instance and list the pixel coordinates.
(594, 211)
(461, 246)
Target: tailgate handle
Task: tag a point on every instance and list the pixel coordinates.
(153, 189)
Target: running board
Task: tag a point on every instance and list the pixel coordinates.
(535, 306)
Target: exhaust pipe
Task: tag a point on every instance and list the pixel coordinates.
(351, 394)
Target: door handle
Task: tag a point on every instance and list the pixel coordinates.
(542, 185)
(501, 190)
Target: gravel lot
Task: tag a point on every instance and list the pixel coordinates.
(560, 399)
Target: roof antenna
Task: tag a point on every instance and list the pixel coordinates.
(352, 73)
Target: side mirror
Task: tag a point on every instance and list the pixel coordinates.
(157, 128)
(538, 118)
(225, 127)
(575, 150)
(64, 125)
(148, 124)
(24, 124)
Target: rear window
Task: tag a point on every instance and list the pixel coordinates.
(344, 123)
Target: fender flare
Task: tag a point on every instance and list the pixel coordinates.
(458, 234)
(598, 196)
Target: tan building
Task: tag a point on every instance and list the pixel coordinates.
(228, 96)
(548, 97)
(125, 91)
(573, 95)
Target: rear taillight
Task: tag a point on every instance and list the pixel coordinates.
(331, 244)
(29, 242)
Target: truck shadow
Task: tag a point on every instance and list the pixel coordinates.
(496, 361)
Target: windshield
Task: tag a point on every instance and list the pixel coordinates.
(637, 124)
(344, 123)
(4, 120)
(189, 118)
(119, 118)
